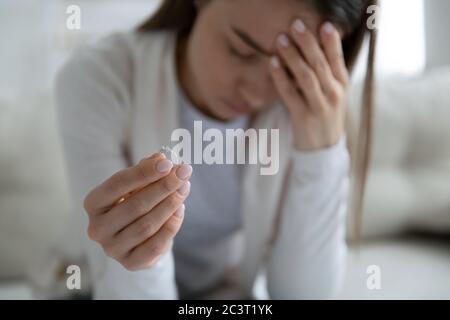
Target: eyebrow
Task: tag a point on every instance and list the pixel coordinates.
(248, 40)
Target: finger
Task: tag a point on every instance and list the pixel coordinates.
(145, 200)
(149, 170)
(313, 54)
(149, 224)
(305, 77)
(332, 44)
(146, 254)
(286, 88)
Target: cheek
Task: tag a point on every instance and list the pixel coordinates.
(215, 70)
(224, 71)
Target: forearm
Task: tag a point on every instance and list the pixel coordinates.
(308, 256)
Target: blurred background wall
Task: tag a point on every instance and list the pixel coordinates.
(437, 32)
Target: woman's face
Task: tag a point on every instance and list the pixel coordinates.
(225, 67)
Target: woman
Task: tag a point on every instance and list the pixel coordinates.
(263, 64)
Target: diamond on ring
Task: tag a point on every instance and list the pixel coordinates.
(170, 155)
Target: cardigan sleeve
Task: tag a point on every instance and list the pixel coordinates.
(308, 257)
(93, 105)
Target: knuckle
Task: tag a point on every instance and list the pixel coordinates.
(100, 232)
(129, 265)
(335, 95)
(150, 264)
(168, 184)
(187, 194)
(155, 249)
(92, 232)
(147, 228)
(87, 203)
(172, 226)
(141, 172)
(97, 232)
(110, 250)
(173, 202)
(136, 206)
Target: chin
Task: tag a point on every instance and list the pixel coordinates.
(224, 114)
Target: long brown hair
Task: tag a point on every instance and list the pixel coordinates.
(350, 15)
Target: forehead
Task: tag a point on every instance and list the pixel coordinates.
(263, 20)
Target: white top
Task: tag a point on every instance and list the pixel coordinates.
(117, 103)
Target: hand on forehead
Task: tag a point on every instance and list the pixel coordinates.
(262, 21)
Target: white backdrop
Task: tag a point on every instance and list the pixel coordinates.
(437, 29)
(401, 39)
(36, 41)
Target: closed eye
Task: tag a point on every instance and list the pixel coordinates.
(240, 55)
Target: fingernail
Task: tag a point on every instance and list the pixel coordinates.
(184, 171)
(299, 26)
(283, 40)
(183, 190)
(164, 166)
(180, 211)
(275, 62)
(328, 27)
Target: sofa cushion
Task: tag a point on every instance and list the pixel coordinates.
(408, 185)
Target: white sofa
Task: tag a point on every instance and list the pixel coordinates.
(409, 189)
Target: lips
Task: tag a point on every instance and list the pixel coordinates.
(239, 107)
